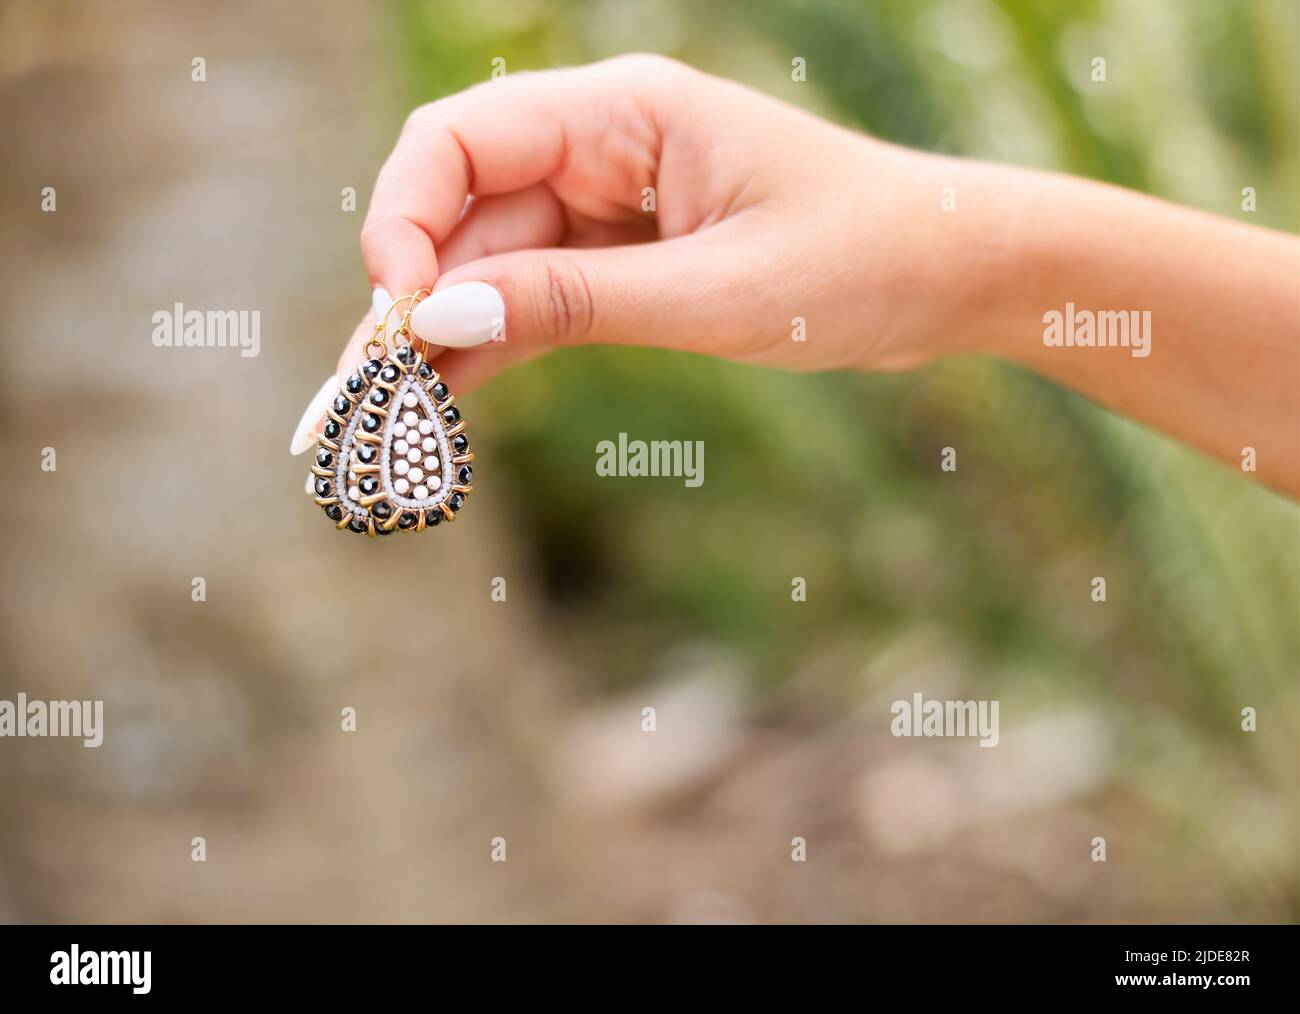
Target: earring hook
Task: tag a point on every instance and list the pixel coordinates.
(404, 327)
(379, 339)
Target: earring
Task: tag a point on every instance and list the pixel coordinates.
(393, 455)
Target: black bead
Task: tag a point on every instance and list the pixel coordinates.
(341, 405)
(368, 484)
(425, 371)
(323, 486)
(389, 373)
(366, 453)
(332, 430)
(334, 512)
(440, 391)
(381, 510)
(461, 443)
(381, 531)
(370, 423)
(355, 383)
(465, 476)
(359, 525)
(407, 520)
(432, 517)
(324, 458)
(404, 355)
(379, 396)
(452, 415)
(372, 367)
(456, 501)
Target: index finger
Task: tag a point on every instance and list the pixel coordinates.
(498, 137)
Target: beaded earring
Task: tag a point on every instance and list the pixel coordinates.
(393, 455)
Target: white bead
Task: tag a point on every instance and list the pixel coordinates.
(430, 464)
(415, 475)
(426, 427)
(401, 485)
(400, 466)
(420, 493)
(410, 419)
(433, 482)
(354, 492)
(401, 447)
(413, 454)
(410, 401)
(399, 430)
(428, 443)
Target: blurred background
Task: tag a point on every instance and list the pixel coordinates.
(523, 719)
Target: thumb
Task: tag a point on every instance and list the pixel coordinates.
(679, 293)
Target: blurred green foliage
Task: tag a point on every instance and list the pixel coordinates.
(1203, 567)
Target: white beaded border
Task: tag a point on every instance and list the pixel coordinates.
(447, 469)
(346, 443)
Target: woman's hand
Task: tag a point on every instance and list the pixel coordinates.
(638, 201)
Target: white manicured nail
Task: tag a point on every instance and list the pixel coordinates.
(461, 316)
(305, 435)
(380, 302)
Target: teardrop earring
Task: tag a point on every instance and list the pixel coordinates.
(393, 455)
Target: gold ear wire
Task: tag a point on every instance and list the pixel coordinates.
(411, 300)
(379, 340)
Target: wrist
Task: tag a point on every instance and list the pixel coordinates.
(980, 258)
(945, 256)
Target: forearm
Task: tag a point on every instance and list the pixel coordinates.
(1181, 320)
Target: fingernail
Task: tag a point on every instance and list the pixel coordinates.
(380, 302)
(461, 316)
(305, 435)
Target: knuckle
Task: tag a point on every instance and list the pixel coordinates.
(444, 113)
(647, 64)
(425, 118)
(564, 304)
(371, 243)
(416, 119)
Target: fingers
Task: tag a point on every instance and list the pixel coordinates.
(507, 135)
(704, 294)
(680, 293)
(595, 136)
(530, 218)
(492, 139)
